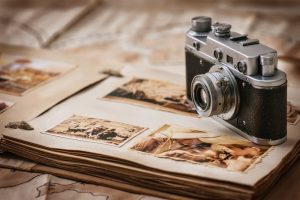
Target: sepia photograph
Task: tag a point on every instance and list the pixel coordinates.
(18, 74)
(195, 146)
(293, 113)
(4, 105)
(154, 94)
(97, 130)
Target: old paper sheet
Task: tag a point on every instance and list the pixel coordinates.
(32, 81)
(20, 74)
(31, 23)
(153, 33)
(24, 185)
(14, 162)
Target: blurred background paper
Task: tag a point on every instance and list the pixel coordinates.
(140, 32)
(35, 23)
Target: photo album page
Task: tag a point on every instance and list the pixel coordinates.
(145, 118)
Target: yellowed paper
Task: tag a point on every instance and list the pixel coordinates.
(35, 80)
(25, 185)
(96, 130)
(247, 165)
(189, 145)
(21, 74)
(34, 23)
(153, 94)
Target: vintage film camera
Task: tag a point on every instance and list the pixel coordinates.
(235, 79)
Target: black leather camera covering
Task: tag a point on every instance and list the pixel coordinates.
(262, 112)
(193, 68)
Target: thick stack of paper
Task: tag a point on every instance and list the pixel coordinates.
(138, 133)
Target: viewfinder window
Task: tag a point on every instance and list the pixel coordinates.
(229, 59)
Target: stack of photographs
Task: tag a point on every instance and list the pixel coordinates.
(139, 133)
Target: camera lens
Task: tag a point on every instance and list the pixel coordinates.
(216, 93)
(202, 96)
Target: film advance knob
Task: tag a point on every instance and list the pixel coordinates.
(201, 24)
(221, 29)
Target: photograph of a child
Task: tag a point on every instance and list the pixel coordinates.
(293, 113)
(94, 129)
(195, 146)
(20, 74)
(154, 94)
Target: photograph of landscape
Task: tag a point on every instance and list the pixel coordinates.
(154, 94)
(96, 130)
(20, 74)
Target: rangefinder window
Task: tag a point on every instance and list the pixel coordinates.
(229, 59)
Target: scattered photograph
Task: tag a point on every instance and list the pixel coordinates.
(293, 113)
(154, 94)
(93, 129)
(20, 74)
(195, 146)
(4, 105)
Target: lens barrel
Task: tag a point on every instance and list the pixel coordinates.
(202, 96)
(216, 93)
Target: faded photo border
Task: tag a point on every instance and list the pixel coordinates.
(181, 144)
(153, 94)
(21, 74)
(96, 130)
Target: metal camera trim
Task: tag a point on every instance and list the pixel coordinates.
(249, 54)
(218, 100)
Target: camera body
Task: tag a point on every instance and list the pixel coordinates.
(235, 79)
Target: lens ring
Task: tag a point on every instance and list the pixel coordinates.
(203, 103)
(202, 96)
(216, 93)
